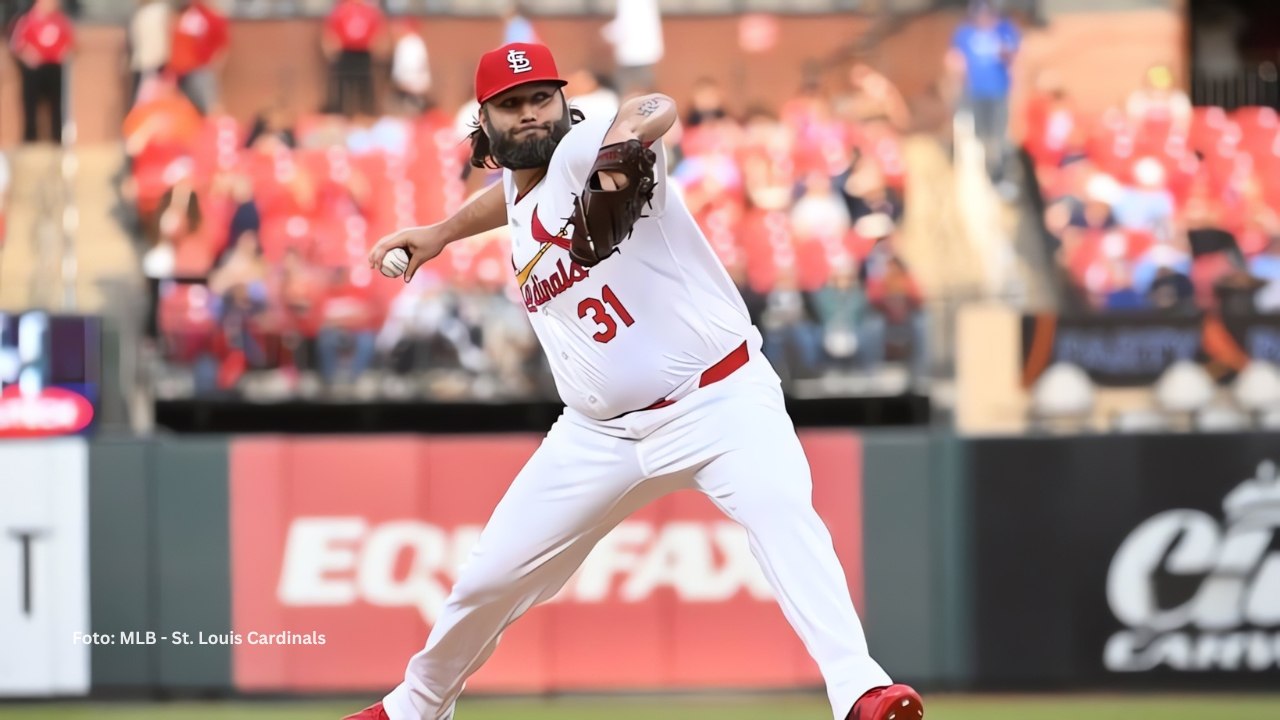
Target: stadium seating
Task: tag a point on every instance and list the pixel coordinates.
(323, 190)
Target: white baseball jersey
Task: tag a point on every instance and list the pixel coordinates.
(643, 324)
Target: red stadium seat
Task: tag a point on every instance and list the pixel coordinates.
(1181, 174)
(219, 147)
(1256, 119)
(185, 319)
(154, 171)
(283, 231)
(720, 224)
(316, 161)
(373, 166)
(491, 263)
(767, 246)
(812, 264)
(1207, 123)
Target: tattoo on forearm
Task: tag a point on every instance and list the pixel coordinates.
(649, 107)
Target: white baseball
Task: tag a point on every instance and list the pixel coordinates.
(395, 262)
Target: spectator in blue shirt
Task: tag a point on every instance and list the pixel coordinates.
(983, 49)
(516, 27)
(1266, 267)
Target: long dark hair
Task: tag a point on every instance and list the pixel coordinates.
(482, 157)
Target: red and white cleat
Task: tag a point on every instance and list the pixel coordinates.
(895, 702)
(373, 712)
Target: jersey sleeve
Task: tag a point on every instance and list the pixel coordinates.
(660, 177)
(572, 162)
(576, 153)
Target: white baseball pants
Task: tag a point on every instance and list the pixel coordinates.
(734, 442)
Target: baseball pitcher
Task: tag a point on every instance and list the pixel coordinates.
(662, 377)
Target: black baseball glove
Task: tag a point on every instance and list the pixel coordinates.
(604, 218)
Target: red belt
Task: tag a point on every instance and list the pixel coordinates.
(727, 366)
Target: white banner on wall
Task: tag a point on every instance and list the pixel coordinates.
(44, 567)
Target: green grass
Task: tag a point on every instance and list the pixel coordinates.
(1085, 707)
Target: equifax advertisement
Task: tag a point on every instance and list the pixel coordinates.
(360, 540)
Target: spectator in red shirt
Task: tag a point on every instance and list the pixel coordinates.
(42, 39)
(1052, 128)
(239, 281)
(200, 40)
(348, 329)
(351, 33)
(1159, 108)
(896, 327)
(160, 133)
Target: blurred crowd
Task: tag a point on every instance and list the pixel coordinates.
(254, 234)
(256, 237)
(1159, 206)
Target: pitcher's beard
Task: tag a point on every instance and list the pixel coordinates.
(516, 154)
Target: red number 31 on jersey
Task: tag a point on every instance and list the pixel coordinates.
(601, 316)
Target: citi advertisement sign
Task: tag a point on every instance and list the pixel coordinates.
(1196, 593)
(1144, 561)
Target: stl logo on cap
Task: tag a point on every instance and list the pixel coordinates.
(514, 64)
(518, 61)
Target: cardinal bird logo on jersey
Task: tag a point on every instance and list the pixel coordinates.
(539, 291)
(541, 234)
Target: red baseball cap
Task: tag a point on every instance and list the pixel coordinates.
(514, 64)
